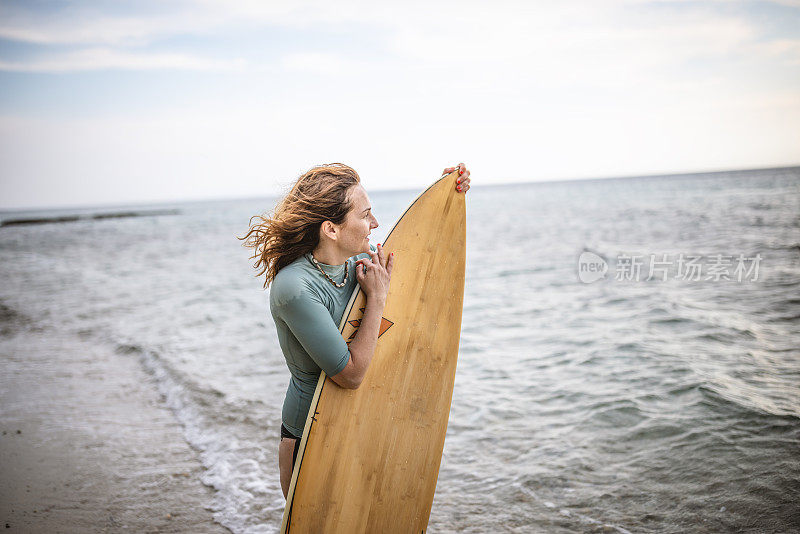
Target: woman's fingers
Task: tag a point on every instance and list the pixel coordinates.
(375, 280)
(463, 183)
(460, 168)
(359, 273)
(381, 256)
(375, 258)
(362, 265)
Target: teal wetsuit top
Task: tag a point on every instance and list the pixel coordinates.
(307, 310)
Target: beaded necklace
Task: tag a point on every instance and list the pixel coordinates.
(318, 266)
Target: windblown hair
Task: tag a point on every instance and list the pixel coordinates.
(319, 195)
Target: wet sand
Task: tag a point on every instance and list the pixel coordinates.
(86, 444)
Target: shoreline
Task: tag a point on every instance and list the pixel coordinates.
(87, 444)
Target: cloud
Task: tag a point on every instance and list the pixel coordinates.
(787, 50)
(319, 63)
(519, 90)
(82, 24)
(622, 37)
(95, 31)
(110, 59)
(85, 28)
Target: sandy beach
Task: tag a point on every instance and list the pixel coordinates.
(86, 444)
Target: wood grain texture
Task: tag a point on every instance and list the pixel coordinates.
(369, 458)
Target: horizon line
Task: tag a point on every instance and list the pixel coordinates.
(185, 200)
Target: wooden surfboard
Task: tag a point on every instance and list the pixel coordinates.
(369, 458)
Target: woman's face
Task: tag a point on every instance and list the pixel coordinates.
(358, 223)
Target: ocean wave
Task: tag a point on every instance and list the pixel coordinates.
(247, 498)
(747, 400)
(12, 321)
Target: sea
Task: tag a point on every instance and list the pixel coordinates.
(629, 358)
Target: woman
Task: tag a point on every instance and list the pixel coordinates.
(309, 249)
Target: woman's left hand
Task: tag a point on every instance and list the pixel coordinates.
(462, 184)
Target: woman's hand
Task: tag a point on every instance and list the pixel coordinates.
(462, 184)
(375, 281)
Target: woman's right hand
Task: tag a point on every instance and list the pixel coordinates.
(375, 281)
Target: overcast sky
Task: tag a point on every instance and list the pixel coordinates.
(115, 102)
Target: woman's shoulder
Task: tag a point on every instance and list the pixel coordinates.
(290, 283)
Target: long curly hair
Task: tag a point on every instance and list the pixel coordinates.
(292, 229)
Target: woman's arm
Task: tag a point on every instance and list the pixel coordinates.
(362, 348)
(310, 322)
(375, 284)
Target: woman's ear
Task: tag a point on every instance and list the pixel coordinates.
(328, 229)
